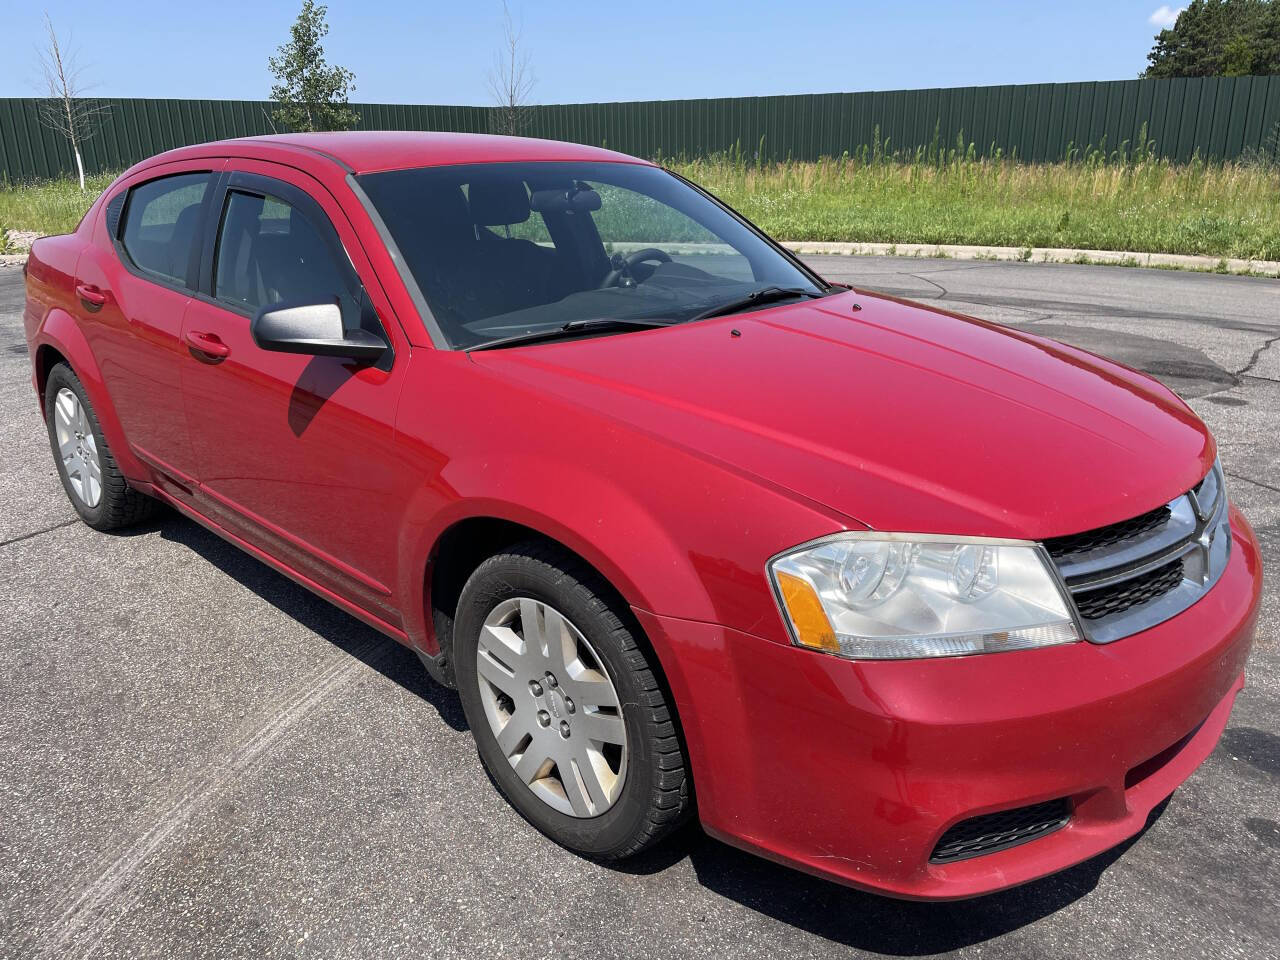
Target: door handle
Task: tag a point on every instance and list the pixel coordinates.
(91, 295)
(208, 344)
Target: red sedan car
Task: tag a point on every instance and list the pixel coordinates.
(905, 599)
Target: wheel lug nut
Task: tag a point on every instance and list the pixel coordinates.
(552, 682)
(568, 704)
(564, 729)
(544, 718)
(535, 688)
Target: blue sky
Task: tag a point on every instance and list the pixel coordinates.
(419, 51)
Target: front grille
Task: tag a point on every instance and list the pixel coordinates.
(1119, 597)
(999, 831)
(1075, 544)
(1129, 576)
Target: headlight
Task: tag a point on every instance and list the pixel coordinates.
(898, 596)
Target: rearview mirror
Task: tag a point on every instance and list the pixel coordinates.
(579, 200)
(314, 329)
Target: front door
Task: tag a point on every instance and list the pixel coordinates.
(297, 454)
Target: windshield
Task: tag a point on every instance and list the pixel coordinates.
(501, 250)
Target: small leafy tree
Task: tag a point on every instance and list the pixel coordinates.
(311, 94)
(66, 110)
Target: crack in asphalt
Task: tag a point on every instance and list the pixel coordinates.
(972, 265)
(1257, 354)
(36, 533)
(941, 289)
(1070, 307)
(1039, 319)
(961, 300)
(1256, 483)
(1243, 374)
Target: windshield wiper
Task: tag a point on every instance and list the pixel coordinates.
(573, 328)
(754, 299)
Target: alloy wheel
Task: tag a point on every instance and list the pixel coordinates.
(552, 708)
(77, 447)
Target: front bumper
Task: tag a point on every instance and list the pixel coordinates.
(854, 770)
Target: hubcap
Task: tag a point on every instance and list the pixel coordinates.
(77, 448)
(552, 707)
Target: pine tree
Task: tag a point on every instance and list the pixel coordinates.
(311, 94)
(1219, 38)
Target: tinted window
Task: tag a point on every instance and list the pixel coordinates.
(161, 224)
(499, 249)
(270, 252)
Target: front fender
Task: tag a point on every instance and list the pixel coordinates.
(676, 532)
(686, 540)
(62, 333)
(649, 570)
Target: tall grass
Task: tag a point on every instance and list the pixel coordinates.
(49, 206)
(1124, 199)
(1116, 202)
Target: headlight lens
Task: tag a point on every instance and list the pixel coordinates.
(895, 596)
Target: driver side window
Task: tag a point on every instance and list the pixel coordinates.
(270, 252)
(629, 221)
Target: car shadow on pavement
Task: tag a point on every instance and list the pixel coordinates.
(1258, 748)
(860, 920)
(381, 653)
(866, 921)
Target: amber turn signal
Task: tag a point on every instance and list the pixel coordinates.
(812, 627)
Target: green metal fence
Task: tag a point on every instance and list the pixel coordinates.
(132, 130)
(1216, 117)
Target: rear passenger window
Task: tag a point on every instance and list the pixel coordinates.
(161, 225)
(270, 252)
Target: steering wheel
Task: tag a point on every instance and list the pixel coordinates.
(622, 265)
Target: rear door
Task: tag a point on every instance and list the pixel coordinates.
(134, 282)
(296, 454)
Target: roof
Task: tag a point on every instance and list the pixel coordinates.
(367, 151)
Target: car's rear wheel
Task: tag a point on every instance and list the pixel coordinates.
(94, 484)
(569, 716)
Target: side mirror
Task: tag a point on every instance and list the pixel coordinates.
(314, 329)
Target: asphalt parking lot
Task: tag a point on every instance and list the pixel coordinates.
(200, 759)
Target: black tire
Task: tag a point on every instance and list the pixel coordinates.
(120, 505)
(655, 794)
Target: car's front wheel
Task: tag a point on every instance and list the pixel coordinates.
(94, 484)
(569, 716)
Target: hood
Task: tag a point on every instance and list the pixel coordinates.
(898, 416)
